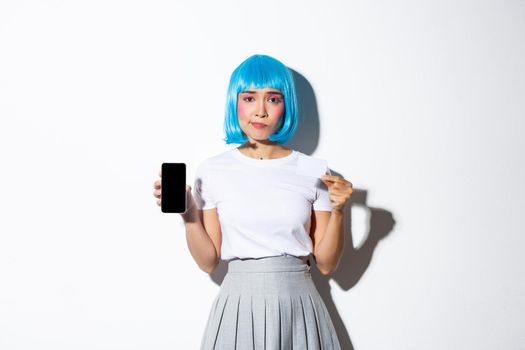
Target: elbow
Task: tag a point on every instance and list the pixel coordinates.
(210, 268)
(327, 265)
(326, 269)
(327, 272)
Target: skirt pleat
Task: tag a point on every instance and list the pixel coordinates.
(269, 304)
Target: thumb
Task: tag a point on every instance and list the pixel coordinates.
(188, 188)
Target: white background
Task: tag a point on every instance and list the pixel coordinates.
(418, 103)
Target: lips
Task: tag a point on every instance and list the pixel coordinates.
(259, 125)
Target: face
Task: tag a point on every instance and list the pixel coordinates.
(259, 112)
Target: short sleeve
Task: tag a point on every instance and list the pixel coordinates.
(202, 189)
(322, 200)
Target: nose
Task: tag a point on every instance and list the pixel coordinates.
(261, 110)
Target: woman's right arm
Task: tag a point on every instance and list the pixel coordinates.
(203, 231)
(203, 236)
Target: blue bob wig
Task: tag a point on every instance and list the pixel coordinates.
(258, 72)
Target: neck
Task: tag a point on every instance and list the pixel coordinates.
(262, 150)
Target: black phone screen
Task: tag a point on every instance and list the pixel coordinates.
(173, 188)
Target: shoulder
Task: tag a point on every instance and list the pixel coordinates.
(311, 165)
(307, 156)
(217, 159)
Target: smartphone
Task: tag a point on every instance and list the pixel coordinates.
(173, 188)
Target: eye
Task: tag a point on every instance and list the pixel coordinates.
(248, 99)
(275, 99)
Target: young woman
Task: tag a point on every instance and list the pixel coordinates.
(253, 208)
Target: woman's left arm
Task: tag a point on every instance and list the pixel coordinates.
(328, 235)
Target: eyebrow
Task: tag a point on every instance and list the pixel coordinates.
(270, 92)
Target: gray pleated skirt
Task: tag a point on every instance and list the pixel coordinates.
(268, 304)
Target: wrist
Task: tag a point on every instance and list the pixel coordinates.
(190, 215)
(338, 211)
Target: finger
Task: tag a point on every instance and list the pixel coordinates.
(188, 188)
(332, 178)
(343, 187)
(329, 177)
(158, 202)
(340, 182)
(340, 191)
(327, 183)
(157, 193)
(157, 184)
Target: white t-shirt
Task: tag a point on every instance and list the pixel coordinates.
(264, 206)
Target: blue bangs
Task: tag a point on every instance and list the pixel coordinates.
(257, 72)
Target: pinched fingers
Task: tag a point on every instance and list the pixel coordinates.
(157, 186)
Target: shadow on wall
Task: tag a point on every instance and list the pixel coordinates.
(354, 262)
